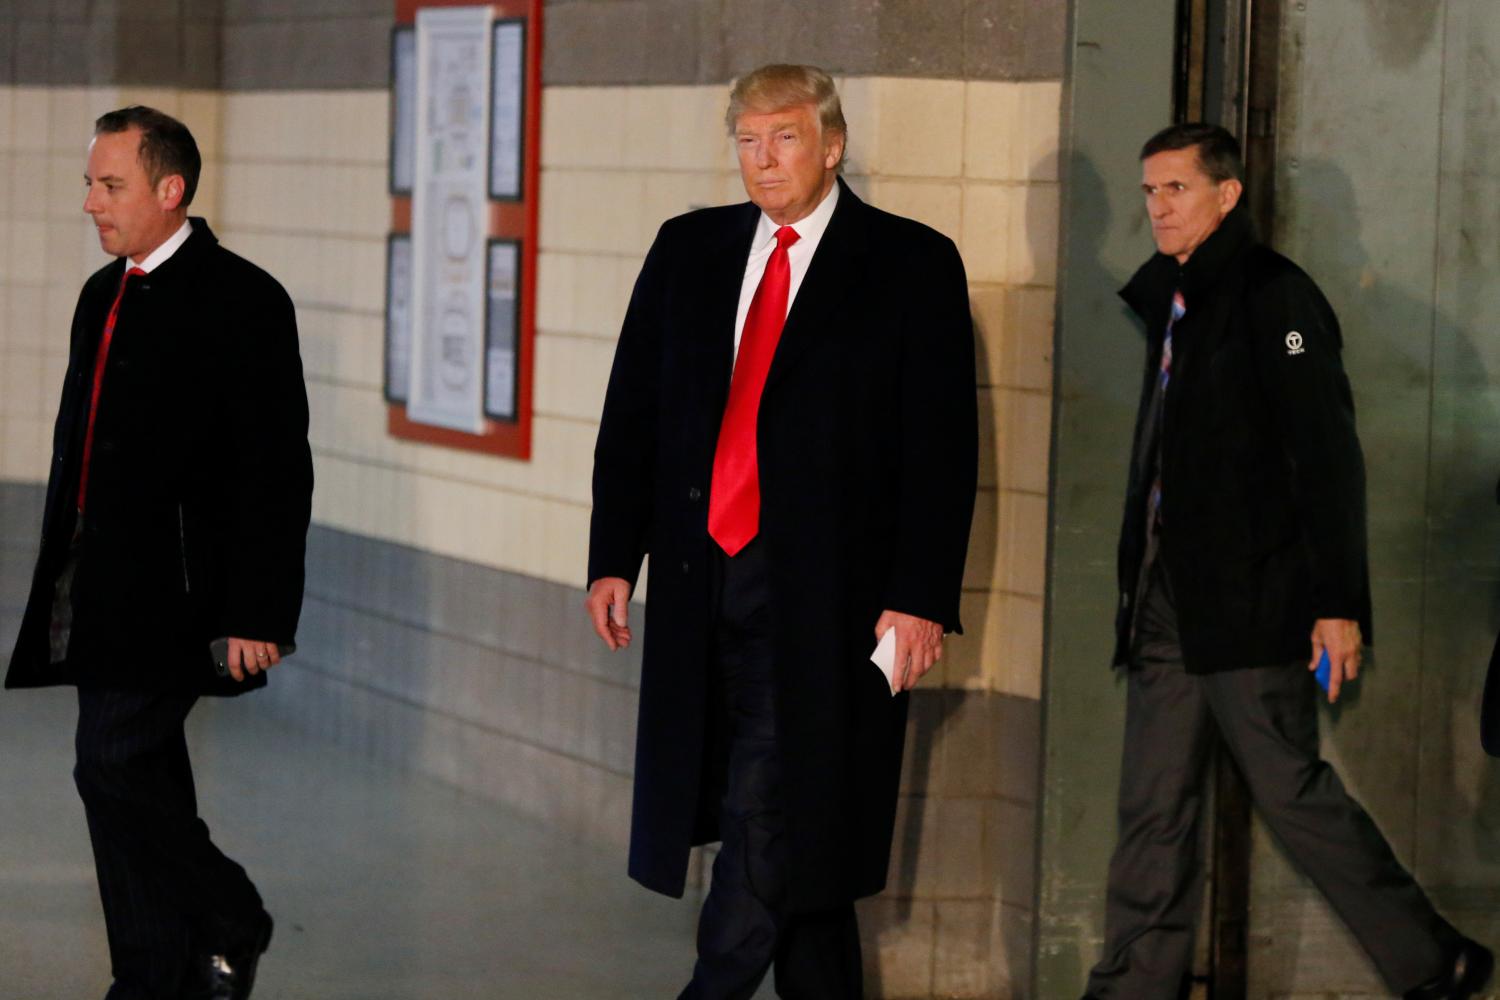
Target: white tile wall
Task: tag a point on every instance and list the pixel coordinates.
(297, 183)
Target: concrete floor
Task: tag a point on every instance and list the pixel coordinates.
(384, 886)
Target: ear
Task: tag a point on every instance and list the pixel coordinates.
(1229, 195)
(169, 192)
(833, 149)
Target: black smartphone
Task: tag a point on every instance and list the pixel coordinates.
(219, 650)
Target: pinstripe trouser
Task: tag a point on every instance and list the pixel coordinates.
(168, 893)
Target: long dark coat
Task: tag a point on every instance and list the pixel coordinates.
(200, 486)
(867, 438)
(1263, 480)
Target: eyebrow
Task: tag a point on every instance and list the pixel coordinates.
(106, 177)
(788, 124)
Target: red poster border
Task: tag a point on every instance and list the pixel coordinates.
(515, 220)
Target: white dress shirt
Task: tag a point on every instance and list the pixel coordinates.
(799, 255)
(156, 258)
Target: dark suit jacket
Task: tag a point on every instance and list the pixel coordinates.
(867, 444)
(1263, 499)
(200, 487)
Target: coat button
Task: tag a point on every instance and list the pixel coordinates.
(685, 567)
(694, 493)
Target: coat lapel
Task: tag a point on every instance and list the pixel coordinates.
(832, 276)
(724, 273)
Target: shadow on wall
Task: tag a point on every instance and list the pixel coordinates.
(957, 917)
(1433, 538)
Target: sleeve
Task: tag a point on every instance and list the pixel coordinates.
(268, 475)
(1297, 348)
(625, 450)
(938, 442)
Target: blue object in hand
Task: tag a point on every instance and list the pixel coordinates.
(1324, 667)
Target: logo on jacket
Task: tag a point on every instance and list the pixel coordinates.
(1294, 343)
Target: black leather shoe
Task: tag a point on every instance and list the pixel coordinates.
(1468, 972)
(231, 976)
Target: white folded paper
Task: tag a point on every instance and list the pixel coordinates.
(884, 657)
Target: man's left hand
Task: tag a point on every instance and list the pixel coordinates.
(919, 645)
(1341, 638)
(248, 656)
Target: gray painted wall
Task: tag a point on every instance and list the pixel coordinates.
(1118, 92)
(318, 44)
(1387, 196)
(708, 41)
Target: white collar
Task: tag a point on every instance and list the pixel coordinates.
(156, 258)
(809, 230)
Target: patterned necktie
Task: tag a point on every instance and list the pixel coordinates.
(1164, 377)
(99, 359)
(734, 497)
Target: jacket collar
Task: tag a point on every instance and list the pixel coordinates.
(186, 256)
(1152, 286)
(841, 259)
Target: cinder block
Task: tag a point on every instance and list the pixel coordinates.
(961, 945)
(571, 375)
(1020, 646)
(1033, 251)
(989, 212)
(583, 127)
(31, 118)
(919, 129)
(1012, 130)
(1024, 436)
(28, 187)
(936, 203)
(898, 938)
(1023, 521)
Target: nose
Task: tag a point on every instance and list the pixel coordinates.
(1157, 206)
(90, 203)
(764, 158)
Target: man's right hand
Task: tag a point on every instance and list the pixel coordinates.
(608, 606)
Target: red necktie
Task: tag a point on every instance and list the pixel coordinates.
(99, 359)
(734, 498)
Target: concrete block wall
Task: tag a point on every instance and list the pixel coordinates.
(443, 629)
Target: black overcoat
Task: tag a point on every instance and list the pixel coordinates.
(200, 486)
(867, 446)
(1263, 480)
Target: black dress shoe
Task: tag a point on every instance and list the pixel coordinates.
(1468, 972)
(231, 976)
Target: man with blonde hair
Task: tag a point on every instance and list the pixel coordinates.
(790, 433)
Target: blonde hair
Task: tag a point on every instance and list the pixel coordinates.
(781, 85)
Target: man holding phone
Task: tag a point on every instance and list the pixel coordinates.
(176, 516)
(1243, 568)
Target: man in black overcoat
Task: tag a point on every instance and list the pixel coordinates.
(1242, 562)
(790, 433)
(176, 515)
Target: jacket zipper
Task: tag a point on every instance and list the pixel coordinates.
(187, 582)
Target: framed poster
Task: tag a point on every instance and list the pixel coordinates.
(507, 108)
(461, 267)
(450, 218)
(398, 318)
(501, 327)
(403, 107)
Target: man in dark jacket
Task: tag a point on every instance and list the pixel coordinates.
(176, 515)
(1242, 562)
(790, 433)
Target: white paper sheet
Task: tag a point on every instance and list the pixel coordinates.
(884, 657)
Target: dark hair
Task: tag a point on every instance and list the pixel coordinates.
(167, 147)
(1218, 151)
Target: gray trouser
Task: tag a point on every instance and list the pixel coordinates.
(1268, 719)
